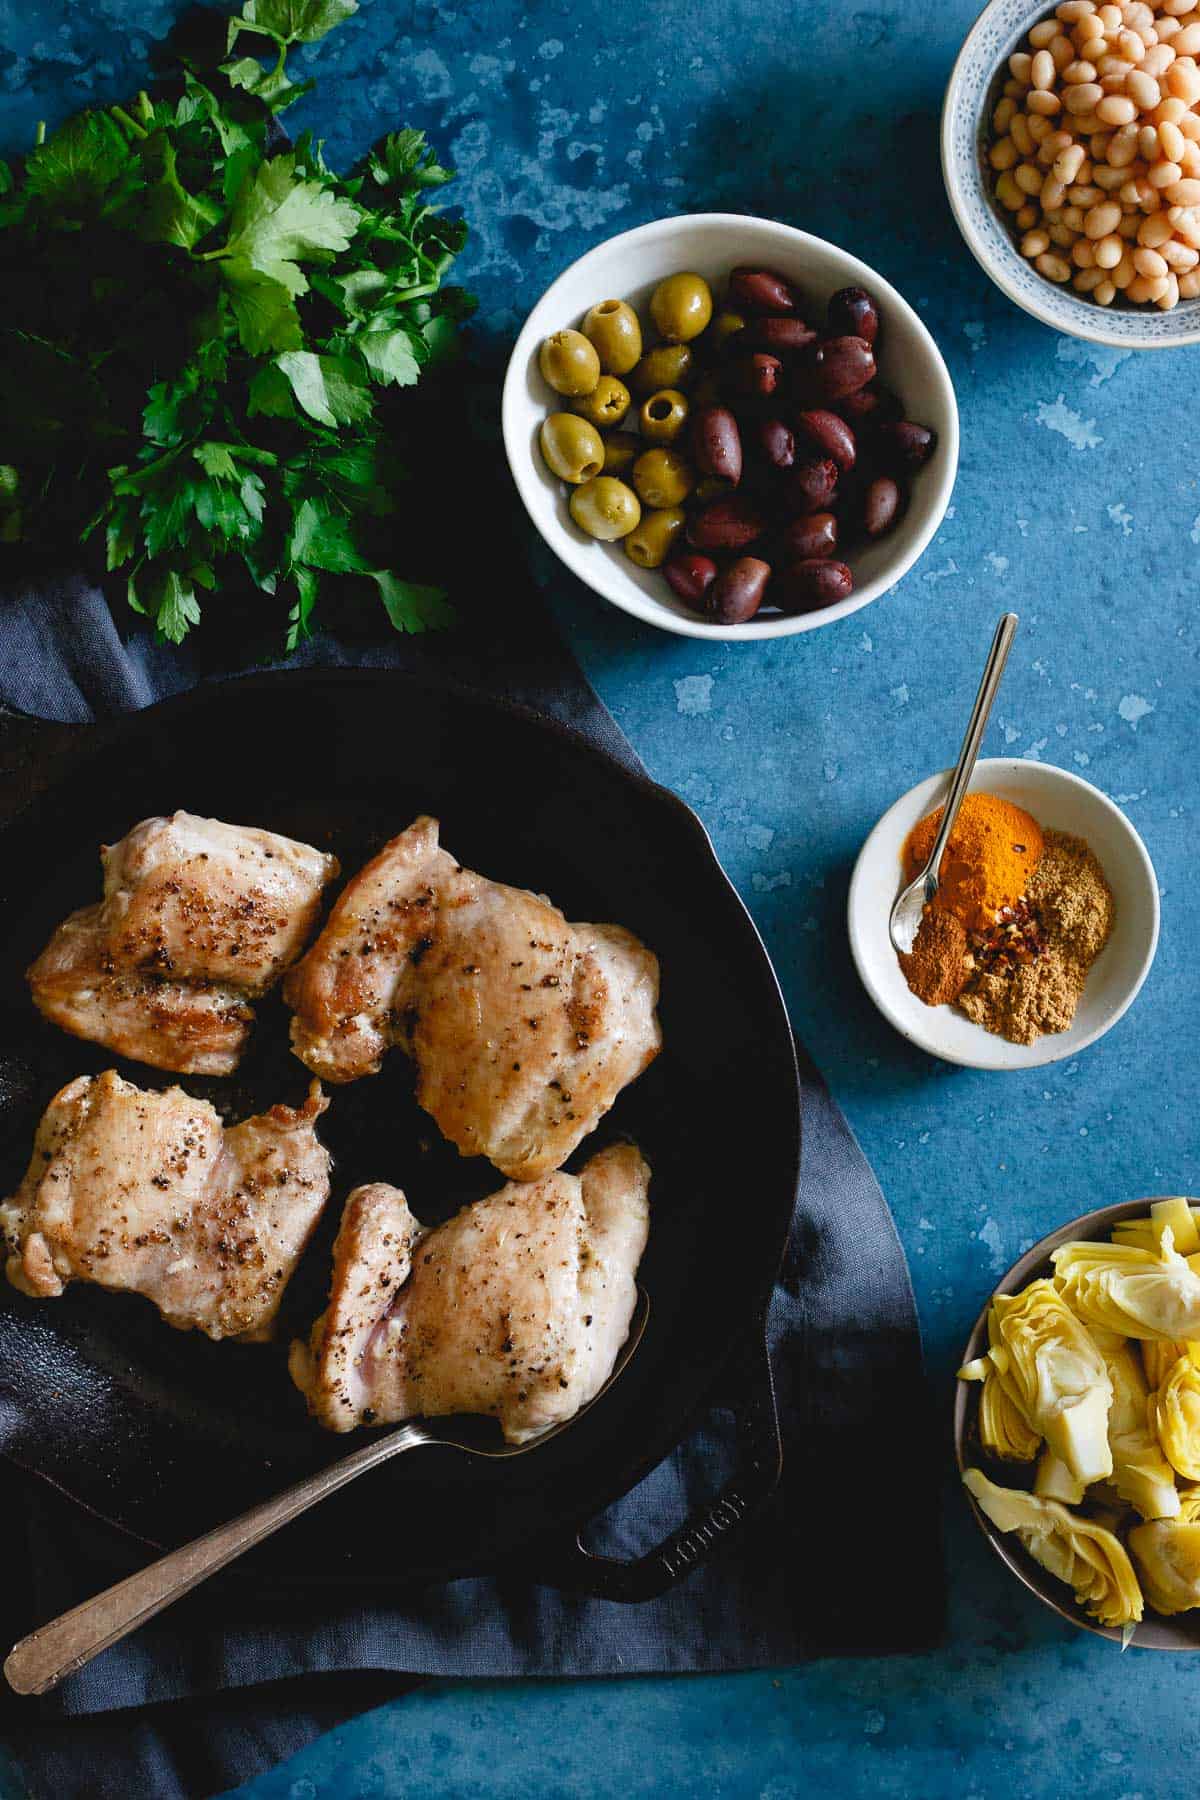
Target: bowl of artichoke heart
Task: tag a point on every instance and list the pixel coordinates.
(1077, 1422)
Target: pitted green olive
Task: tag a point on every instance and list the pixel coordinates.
(666, 366)
(681, 307)
(607, 403)
(613, 327)
(663, 416)
(573, 449)
(621, 451)
(569, 363)
(650, 544)
(727, 324)
(605, 508)
(663, 478)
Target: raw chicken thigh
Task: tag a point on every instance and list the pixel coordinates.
(516, 1307)
(523, 1028)
(148, 1192)
(198, 918)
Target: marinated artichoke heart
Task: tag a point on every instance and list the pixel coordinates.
(1177, 1418)
(1141, 1475)
(1146, 1234)
(1167, 1554)
(1091, 1561)
(1054, 1481)
(1159, 1356)
(1139, 1293)
(1003, 1428)
(1050, 1368)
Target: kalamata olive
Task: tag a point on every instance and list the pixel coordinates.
(754, 377)
(872, 403)
(760, 291)
(782, 337)
(852, 313)
(810, 537)
(805, 586)
(840, 365)
(810, 486)
(880, 505)
(731, 524)
(690, 575)
(737, 593)
(829, 435)
(778, 443)
(904, 445)
(717, 444)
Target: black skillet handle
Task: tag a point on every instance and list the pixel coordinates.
(760, 1461)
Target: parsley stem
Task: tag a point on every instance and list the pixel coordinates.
(123, 118)
(39, 136)
(145, 110)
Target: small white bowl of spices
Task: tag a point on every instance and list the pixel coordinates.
(1046, 926)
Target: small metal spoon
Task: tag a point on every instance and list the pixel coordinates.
(906, 913)
(41, 1660)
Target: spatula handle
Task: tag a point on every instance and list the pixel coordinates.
(40, 1661)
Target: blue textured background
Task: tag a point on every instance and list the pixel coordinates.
(1078, 504)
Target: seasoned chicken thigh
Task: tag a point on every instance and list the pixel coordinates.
(198, 918)
(516, 1307)
(149, 1193)
(523, 1028)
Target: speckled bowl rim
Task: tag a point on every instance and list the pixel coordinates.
(938, 478)
(1079, 324)
(1156, 1632)
(1054, 1046)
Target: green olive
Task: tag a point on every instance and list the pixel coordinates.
(663, 478)
(621, 451)
(573, 449)
(670, 365)
(605, 508)
(607, 403)
(613, 327)
(653, 540)
(711, 487)
(681, 307)
(569, 363)
(663, 416)
(727, 324)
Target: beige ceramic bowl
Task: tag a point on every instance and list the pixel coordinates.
(1154, 1633)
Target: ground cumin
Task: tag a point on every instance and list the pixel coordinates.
(1074, 907)
(988, 862)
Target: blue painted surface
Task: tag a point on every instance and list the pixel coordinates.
(1078, 504)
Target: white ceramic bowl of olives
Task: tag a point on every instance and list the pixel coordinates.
(843, 450)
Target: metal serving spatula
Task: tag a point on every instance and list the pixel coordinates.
(41, 1660)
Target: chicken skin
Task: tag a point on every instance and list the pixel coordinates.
(515, 1308)
(198, 918)
(149, 1193)
(523, 1027)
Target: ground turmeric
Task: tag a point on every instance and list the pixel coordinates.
(992, 853)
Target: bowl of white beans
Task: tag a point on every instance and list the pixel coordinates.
(1071, 154)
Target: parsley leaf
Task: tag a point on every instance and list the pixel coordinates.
(389, 356)
(321, 538)
(178, 609)
(411, 607)
(332, 389)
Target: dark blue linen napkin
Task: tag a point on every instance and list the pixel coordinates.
(244, 1672)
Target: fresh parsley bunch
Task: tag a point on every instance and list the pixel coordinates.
(205, 336)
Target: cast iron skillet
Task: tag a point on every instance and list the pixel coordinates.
(165, 1434)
